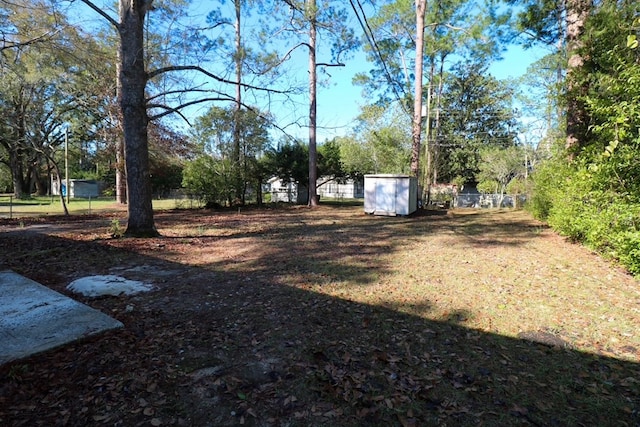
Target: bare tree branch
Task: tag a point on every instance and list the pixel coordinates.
(10, 44)
(160, 71)
(170, 110)
(102, 13)
(292, 5)
(173, 92)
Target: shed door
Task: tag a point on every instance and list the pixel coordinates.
(386, 196)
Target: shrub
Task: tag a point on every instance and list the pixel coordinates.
(628, 250)
(210, 180)
(545, 189)
(578, 202)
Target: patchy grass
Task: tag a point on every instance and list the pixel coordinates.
(331, 317)
(51, 205)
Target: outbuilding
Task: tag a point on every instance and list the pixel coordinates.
(80, 188)
(390, 194)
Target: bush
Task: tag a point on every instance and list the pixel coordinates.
(487, 187)
(628, 250)
(577, 202)
(545, 188)
(209, 180)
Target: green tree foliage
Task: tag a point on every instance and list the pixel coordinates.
(215, 134)
(498, 167)
(541, 21)
(44, 61)
(426, 34)
(289, 162)
(541, 90)
(168, 152)
(381, 143)
(330, 163)
(209, 179)
(477, 113)
(452, 28)
(596, 197)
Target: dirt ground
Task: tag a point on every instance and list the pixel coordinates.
(300, 317)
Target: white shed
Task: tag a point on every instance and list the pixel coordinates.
(80, 188)
(388, 194)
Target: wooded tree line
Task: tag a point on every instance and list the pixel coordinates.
(589, 189)
(153, 98)
(118, 86)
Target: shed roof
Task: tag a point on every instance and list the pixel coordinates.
(388, 175)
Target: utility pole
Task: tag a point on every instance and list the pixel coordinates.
(66, 162)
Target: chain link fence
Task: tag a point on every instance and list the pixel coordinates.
(11, 207)
(488, 201)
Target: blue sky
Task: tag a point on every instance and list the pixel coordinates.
(339, 101)
(339, 104)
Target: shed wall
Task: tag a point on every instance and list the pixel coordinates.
(390, 194)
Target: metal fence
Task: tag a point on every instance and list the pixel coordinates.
(489, 201)
(10, 207)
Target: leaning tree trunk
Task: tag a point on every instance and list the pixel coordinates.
(63, 203)
(132, 81)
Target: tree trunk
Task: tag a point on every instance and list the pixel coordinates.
(416, 129)
(56, 168)
(16, 151)
(36, 181)
(313, 155)
(15, 163)
(436, 147)
(132, 80)
(426, 186)
(577, 121)
(121, 179)
(239, 58)
(259, 191)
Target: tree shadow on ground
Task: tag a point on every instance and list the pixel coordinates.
(320, 244)
(214, 345)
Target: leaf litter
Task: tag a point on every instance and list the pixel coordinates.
(330, 317)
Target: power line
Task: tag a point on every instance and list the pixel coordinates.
(374, 46)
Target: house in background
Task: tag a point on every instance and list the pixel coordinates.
(292, 192)
(287, 192)
(349, 189)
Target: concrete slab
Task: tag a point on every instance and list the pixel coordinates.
(34, 318)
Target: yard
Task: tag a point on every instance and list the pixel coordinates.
(329, 317)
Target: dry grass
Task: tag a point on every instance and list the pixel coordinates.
(332, 317)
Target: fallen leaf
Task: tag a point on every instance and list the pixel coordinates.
(407, 422)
